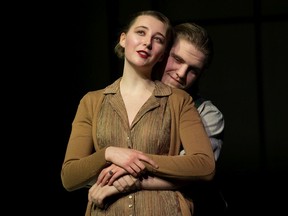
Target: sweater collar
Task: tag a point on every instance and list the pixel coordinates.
(160, 90)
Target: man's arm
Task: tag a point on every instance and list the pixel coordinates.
(213, 121)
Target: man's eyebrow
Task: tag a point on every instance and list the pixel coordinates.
(177, 56)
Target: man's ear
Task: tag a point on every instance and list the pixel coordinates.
(122, 39)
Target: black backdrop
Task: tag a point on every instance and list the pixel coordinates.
(66, 49)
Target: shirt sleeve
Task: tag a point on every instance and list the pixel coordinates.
(213, 121)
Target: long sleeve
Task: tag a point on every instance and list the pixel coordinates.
(82, 163)
(198, 162)
(213, 121)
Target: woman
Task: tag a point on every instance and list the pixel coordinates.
(132, 132)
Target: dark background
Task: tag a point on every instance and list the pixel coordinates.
(66, 49)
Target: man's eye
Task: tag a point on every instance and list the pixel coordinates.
(177, 59)
(193, 71)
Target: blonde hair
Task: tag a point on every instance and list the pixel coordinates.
(197, 36)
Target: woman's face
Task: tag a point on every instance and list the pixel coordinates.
(145, 41)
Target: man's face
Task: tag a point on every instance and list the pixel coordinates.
(184, 65)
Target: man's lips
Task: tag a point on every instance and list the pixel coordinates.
(175, 79)
(178, 82)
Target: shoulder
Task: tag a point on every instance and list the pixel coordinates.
(91, 100)
(211, 116)
(174, 94)
(93, 95)
(179, 94)
(181, 98)
(181, 101)
(206, 106)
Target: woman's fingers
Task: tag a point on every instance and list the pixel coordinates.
(129, 159)
(145, 158)
(116, 175)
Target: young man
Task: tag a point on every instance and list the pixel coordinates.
(190, 56)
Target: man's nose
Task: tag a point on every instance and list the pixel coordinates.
(182, 71)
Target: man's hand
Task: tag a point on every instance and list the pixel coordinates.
(98, 193)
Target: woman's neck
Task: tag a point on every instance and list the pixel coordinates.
(136, 85)
(135, 81)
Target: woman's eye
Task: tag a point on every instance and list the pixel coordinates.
(141, 32)
(159, 40)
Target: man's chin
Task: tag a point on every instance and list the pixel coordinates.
(171, 85)
(176, 86)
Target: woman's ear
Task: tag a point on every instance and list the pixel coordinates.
(122, 39)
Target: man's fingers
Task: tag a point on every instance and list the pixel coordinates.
(118, 186)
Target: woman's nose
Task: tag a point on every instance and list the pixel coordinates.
(148, 44)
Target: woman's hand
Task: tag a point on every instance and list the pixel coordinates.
(129, 159)
(109, 174)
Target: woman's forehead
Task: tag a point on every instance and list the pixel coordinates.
(150, 22)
